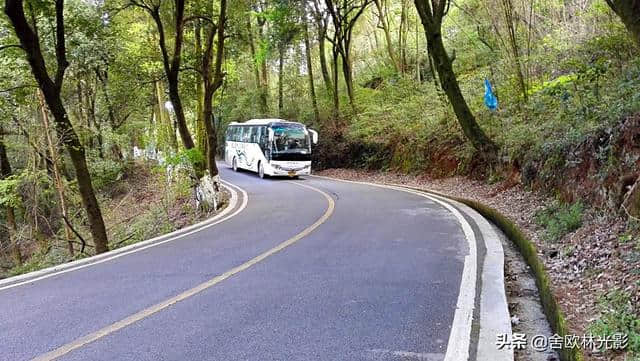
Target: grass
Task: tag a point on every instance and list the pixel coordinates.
(618, 316)
(559, 220)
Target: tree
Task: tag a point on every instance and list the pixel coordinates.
(322, 22)
(259, 55)
(629, 12)
(52, 88)
(172, 62)
(5, 172)
(345, 14)
(431, 14)
(212, 82)
(384, 24)
(312, 88)
(283, 18)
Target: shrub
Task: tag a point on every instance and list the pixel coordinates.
(560, 219)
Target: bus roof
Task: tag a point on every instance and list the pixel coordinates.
(263, 122)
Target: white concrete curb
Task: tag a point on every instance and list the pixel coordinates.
(136, 247)
(494, 310)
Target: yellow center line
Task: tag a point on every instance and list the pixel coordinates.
(87, 339)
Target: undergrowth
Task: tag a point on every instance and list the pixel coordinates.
(618, 316)
(560, 219)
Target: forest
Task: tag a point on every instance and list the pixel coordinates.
(539, 93)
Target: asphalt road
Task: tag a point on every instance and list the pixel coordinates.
(377, 278)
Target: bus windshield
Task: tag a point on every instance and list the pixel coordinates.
(290, 138)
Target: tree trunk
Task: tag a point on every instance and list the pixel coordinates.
(312, 88)
(402, 35)
(166, 135)
(264, 76)
(57, 178)
(260, 82)
(334, 93)
(51, 90)
(178, 111)
(321, 27)
(5, 171)
(201, 134)
(507, 6)
(629, 13)
(443, 65)
(212, 84)
(281, 50)
(387, 33)
(348, 76)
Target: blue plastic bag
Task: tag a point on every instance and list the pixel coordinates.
(490, 99)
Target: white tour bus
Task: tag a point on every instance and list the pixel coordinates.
(270, 147)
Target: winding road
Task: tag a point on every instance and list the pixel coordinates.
(307, 269)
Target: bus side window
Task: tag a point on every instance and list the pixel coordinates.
(259, 137)
(254, 134)
(229, 133)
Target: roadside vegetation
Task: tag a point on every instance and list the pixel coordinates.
(140, 201)
(392, 85)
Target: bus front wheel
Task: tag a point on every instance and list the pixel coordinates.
(261, 170)
(234, 164)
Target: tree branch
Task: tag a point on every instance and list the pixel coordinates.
(61, 52)
(3, 47)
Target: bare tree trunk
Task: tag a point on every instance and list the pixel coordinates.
(51, 88)
(5, 171)
(57, 178)
(312, 88)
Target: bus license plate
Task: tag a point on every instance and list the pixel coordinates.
(292, 173)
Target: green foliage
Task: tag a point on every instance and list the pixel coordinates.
(618, 316)
(9, 196)
(105, 172)
(560, 219)
(185, 157)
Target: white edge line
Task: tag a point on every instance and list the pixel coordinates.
(136, 247)
(460, 336)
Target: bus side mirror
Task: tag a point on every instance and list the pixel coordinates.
(270, 136)
(314, 136)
